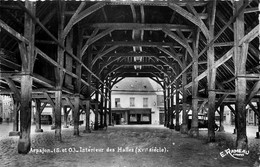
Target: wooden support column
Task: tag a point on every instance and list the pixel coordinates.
(165, 104)
(105, 109)
(258, 117)
(16, 110)
(110, 104)
(69, 60)
(240, 56)
(87, 127)
(27, 57)
(66, 114)
(184, 125)
(177, 108)
(38, 115)
(211, 77)
(76, 113)
(59, 74)
(221, 127)
(102, 106)
(57, 114)
(96, 108)
(194, 131)
(170, 106)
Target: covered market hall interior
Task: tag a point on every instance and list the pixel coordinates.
(69, 54)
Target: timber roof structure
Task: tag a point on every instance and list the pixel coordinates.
(102, 42)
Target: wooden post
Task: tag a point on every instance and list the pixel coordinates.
(66, 113)
(105, 109)
(57, 113)
(38, 115)
(110, 105)
(221, 127)
(170, 113)
(258, 109)
(165, 104)
(27, 56)
(240, 56)
(194, 131)
(102, 107)
(184, 125)
(87, 127)
(76, 114)
(69, 60)
(171, 107)
(16, 109)
(96, 108)
(177, 108)
(211, 77)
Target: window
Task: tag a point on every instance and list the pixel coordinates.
(117, 102)
(132, 101)
(145, 102)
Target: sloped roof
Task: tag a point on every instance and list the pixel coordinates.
(137, 85)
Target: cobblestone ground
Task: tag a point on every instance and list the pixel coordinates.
(120, 146)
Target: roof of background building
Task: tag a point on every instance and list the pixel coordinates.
(136, 85)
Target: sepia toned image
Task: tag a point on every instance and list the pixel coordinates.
(129, 83)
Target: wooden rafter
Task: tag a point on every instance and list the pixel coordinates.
(194, 19)
(253, 92)
(141, 26)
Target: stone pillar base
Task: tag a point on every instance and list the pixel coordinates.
(38, 130)
(171, 126)
(87, 131)
(194, 132)
(184, 129)
(177, 127)
(14, 133)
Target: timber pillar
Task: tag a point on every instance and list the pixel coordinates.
(240, 57)
(57, 113)
(76, 113)
(221, 127)
(177, 108)
(38, 116)
(27, 57)
(184, 125)
(66, 113)
(87, 127)
(15, 131)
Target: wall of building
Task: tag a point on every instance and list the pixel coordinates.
(125, 103)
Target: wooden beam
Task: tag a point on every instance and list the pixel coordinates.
(253, 92)
(12, 32)
(17, 94)
(88, 11)
(54, 38)
(100, 55)
(201, 25)
(250, 36)
(48, 97)
(95, 38)
(73, 19)
(251, 10)
(190, 17)
(141, 26)
(179, 40)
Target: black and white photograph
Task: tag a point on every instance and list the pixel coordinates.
(129, 83)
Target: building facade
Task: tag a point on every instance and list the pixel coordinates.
(135, 101)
